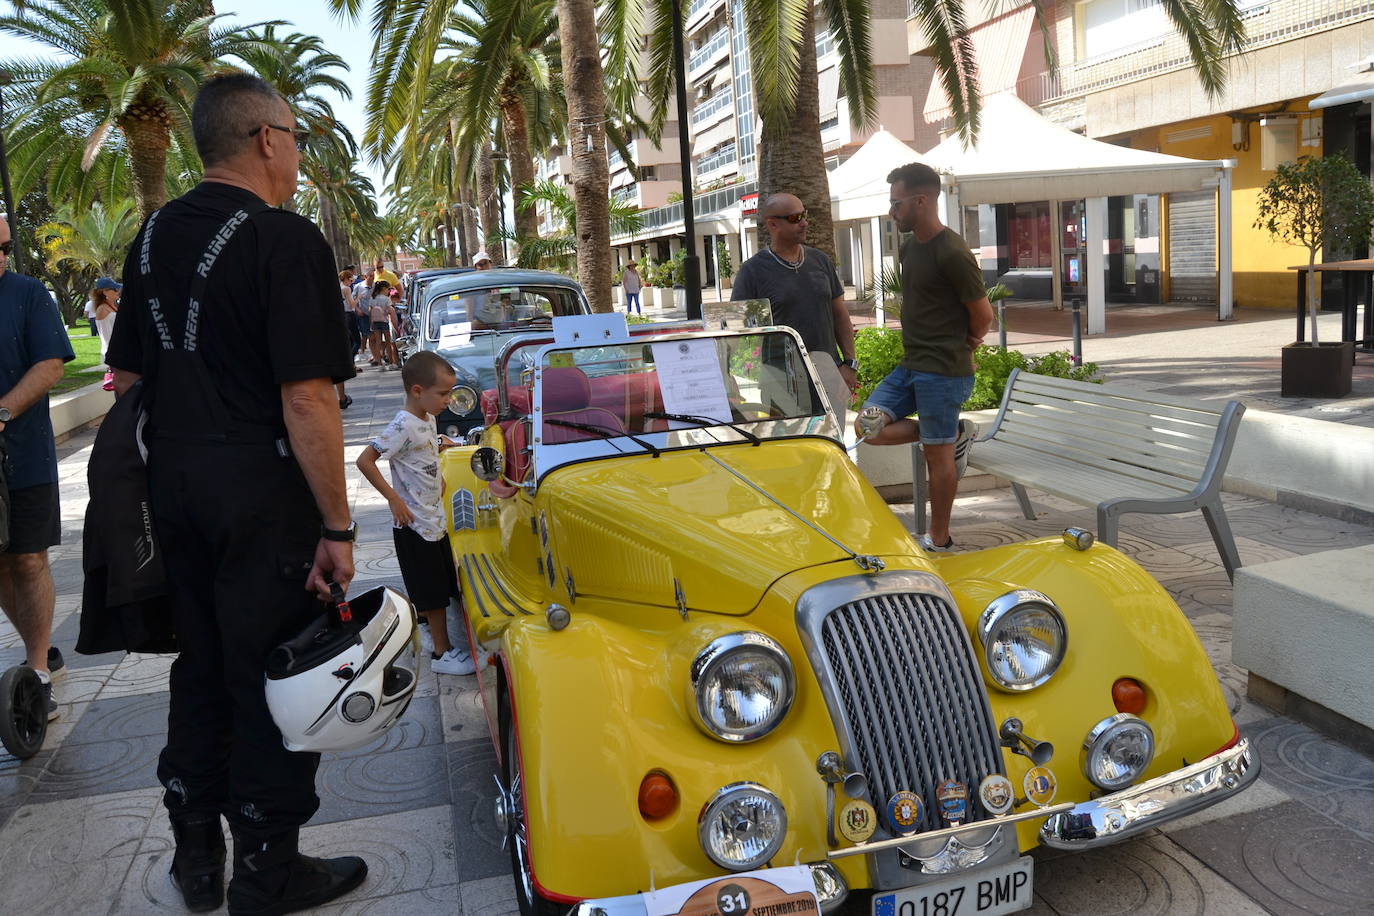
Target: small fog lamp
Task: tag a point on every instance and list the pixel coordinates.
(742, 827)
(1117, 751)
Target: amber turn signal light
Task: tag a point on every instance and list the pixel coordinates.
(1128, 696)
(657, 796)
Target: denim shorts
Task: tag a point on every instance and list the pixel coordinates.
(936, 399)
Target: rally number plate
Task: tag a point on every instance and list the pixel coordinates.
(988, 892)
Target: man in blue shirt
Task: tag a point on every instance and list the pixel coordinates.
(33, 347)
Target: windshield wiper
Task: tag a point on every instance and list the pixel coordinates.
(602, 431)
(701, 421)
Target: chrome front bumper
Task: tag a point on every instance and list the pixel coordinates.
(1128, 812)
(831, 891)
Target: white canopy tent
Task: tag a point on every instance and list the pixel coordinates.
(858, 187)
(1020, 157)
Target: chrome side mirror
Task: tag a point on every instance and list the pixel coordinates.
(487, 464)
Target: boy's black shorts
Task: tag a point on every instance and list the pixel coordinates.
(427, 568)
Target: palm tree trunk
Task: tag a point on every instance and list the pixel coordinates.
(520, 160)
(488, 203)
(470, 224)
(791, 157)
(149, 141)
(590, 173)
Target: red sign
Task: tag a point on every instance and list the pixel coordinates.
(749, 205)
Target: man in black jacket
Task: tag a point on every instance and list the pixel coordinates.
(232, 319)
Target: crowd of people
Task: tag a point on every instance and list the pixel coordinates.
(242, 365)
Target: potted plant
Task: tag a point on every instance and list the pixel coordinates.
(1317, 202)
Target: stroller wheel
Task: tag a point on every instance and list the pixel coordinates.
(23, 712)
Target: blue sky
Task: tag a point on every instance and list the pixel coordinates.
(349, 40)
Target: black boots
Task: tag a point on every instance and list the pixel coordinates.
(198, 865)
(272, 877)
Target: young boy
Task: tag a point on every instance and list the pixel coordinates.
(411, 444)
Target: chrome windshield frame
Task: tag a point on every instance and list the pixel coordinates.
(546, 457)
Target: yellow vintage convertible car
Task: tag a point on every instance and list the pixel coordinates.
(723, 678)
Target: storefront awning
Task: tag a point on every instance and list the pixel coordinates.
(998, 48)
(1021, 156)
(1357, 88)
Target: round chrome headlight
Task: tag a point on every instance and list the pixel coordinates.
(742, 827)
(741, 686)
(1117, 751)
(1024, 638)
(461, 400)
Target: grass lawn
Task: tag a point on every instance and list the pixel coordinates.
(87, 355)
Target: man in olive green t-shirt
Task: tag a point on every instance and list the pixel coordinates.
(945, 315)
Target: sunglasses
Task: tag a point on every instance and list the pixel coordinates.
(7, 248)
(302, 136)
(792, 218)
(894, 204)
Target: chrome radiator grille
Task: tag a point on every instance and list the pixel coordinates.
(912, 692)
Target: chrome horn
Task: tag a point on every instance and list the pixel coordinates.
(1018, 742)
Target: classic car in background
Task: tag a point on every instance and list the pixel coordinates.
(467, 317)
(715, 660)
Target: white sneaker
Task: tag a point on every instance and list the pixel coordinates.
(963, 445)
(930, 546)
(455, 661)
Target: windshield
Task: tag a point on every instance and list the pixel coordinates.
(722, 388)
(453, 319)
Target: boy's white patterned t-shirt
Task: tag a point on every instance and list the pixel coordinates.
(411, 446)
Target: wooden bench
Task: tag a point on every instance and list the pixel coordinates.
(1117, 448)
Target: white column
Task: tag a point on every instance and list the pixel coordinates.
(875, 226)
(1095, 271)
(856, 259)
(1225, 292)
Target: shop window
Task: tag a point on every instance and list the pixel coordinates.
(1029, 231)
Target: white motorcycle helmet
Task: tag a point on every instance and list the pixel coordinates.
(348, 676)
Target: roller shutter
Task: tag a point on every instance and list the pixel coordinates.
(1193, 247)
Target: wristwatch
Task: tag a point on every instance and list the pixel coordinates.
(850, 364)
(333, 534)
(5, 415)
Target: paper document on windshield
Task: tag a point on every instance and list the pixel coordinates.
(690, 378)
(455, 335)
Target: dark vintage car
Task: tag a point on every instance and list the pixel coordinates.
(469, 317)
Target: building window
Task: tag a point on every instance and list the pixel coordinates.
(830, 123)
(825, 42)
(1110, 26)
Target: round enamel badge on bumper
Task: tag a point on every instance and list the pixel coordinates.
(1040, 785)
(858, 820)
(904, 812)
(996, 794)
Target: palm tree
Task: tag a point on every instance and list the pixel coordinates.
(131, 67)
(587, 144)
(504, 67)
(95, 239)
(557, 251)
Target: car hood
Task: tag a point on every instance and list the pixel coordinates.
(643, 529)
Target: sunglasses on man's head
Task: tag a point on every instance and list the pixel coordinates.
(7, 247)
(301, 134)
(792, 218)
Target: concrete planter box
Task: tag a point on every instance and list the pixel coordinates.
(647, 297)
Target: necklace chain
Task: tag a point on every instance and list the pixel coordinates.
(790, 265)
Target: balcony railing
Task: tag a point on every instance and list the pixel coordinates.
(717, 160)
(613, 157)
(712, 106)
(696, 6)
(1267, 23)
(627, 194)
(702, 207)
(713, 44)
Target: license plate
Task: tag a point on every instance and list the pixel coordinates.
(1005, 889)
